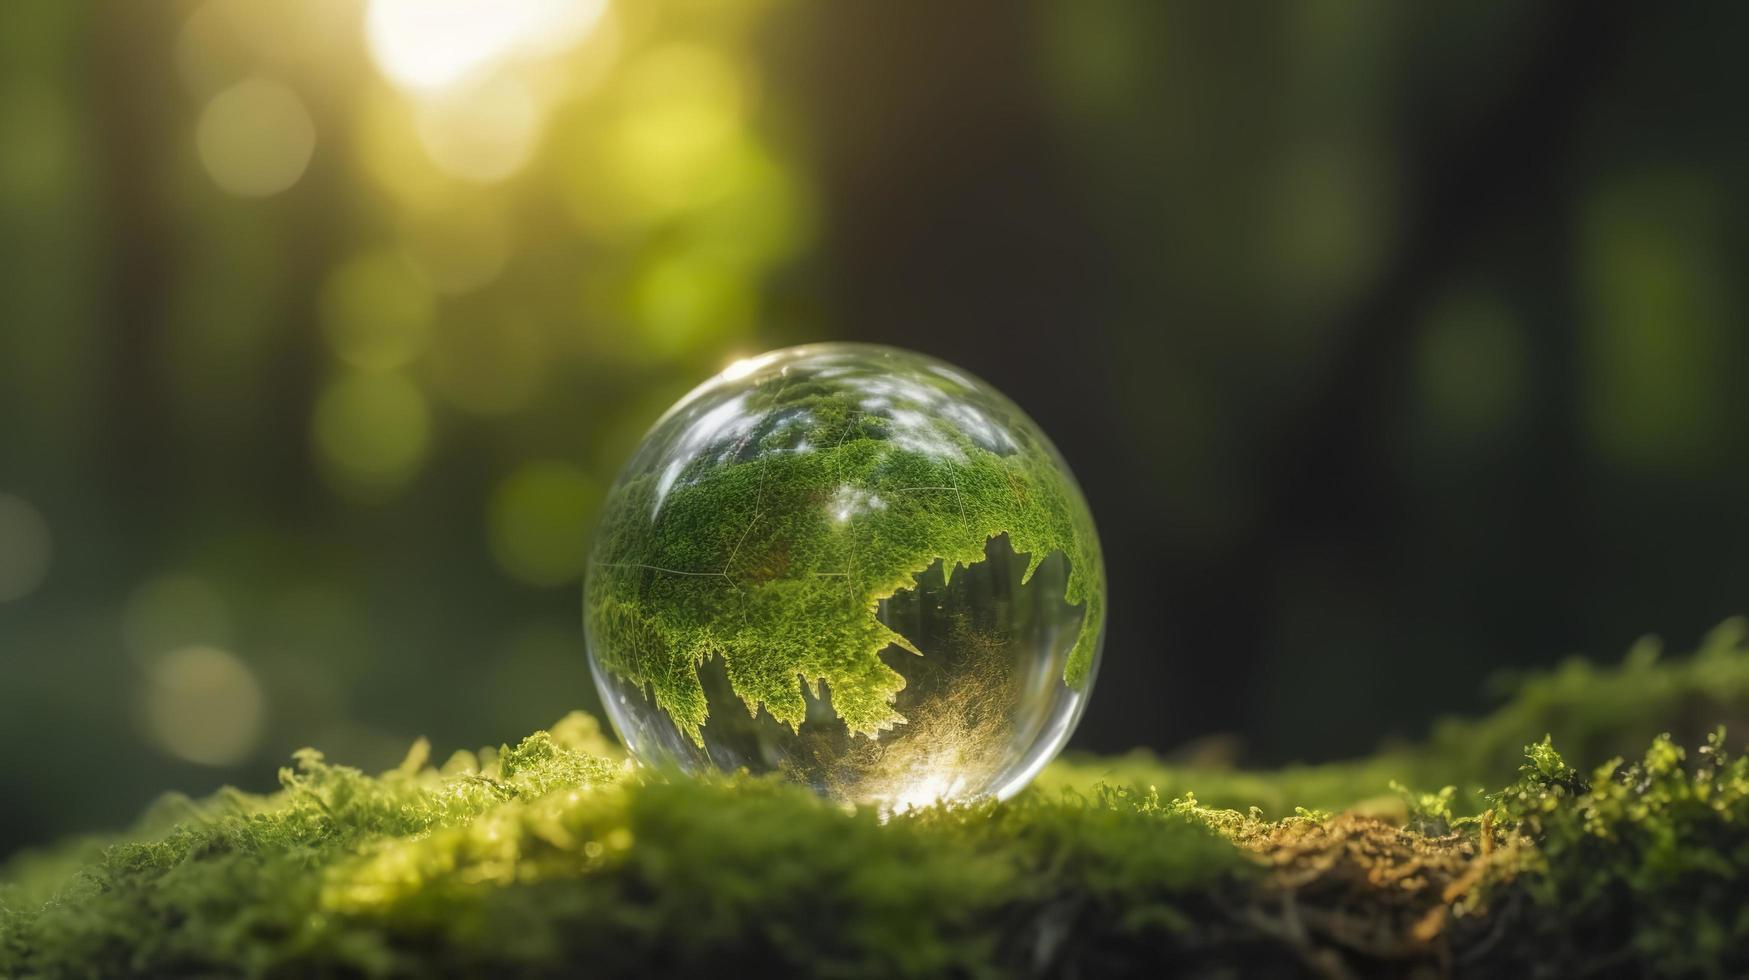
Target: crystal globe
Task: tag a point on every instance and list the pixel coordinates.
(854, 566)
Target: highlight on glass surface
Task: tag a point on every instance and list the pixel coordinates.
(854, 566)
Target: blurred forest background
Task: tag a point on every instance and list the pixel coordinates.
(1396, 345)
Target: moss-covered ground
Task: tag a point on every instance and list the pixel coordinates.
(1607, 849)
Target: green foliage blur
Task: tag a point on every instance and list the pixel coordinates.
(326, 326)
(1395, 345)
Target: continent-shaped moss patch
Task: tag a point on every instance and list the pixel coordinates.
(777, 557)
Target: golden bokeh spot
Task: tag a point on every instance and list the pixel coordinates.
(204, 705)
(376, 311)
(255, 138)
(539, 520)
(372, 432)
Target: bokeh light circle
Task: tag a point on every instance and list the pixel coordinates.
(255, 138)
(372, 433)
(204, 705)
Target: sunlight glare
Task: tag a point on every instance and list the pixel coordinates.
(427, 45)
(922, 791)
(742, 367)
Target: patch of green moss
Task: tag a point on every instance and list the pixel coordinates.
(554, 857)
(1639, 867)
(778, 563)
(1593, 711)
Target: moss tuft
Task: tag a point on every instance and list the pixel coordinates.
(554, 857)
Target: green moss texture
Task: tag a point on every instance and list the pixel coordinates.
(556, 858)
(777, 564)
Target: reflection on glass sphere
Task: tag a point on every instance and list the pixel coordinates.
(855, 566)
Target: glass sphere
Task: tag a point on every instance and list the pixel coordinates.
(855, 566)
